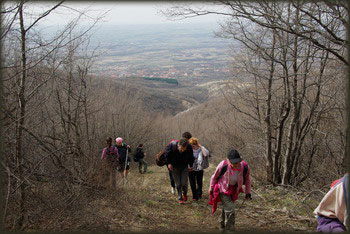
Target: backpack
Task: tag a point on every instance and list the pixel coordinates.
(205, 162)
(137, 155)
(160, 156)
(135, 158)
(224, 169)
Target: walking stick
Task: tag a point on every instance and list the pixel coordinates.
(126, 163)
(126, 159)
(240, 206)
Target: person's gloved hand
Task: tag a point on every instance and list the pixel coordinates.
(210, 191)
(248, 196)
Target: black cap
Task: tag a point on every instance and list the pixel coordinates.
(234, 156)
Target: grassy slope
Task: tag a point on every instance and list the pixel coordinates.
(146, 204)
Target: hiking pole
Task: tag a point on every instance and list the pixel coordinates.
(126, 163)
(240, 206)
(126, 159)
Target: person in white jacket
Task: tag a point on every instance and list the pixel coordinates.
(196, 174)
(332, 213)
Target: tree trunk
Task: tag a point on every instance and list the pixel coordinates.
(288, 164)
(20, 123)
(269, 160)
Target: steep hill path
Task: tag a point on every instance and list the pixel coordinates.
(145, 204)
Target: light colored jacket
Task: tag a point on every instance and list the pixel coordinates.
(197, 165)
(333, 204)
(223, 182)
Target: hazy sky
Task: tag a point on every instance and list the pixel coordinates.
(118, 12)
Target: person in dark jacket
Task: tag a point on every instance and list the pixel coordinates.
(124, 158)
(180, 160)
(186, 135)
(139, 155)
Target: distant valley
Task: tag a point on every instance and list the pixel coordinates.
(190, 55)
(178, 51)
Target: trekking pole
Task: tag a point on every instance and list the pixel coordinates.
(126, 159)
(240, 206)
(126, 163)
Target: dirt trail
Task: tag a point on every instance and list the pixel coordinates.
(146, 204)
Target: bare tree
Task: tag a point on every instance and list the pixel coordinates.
(25, 75)
(290, 47)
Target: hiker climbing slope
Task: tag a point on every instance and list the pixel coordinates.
(139, 157)
(110, 156)
(332, 213)
(179, 159)
(124, 158)
(186, 135)
(200, 154)
(226, 184)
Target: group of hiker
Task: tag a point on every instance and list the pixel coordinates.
(117, 158)
(186, 160)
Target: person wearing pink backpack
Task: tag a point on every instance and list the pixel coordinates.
(226, 184)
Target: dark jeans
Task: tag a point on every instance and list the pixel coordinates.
(196, 182)
(181, 180)
(144, 164)
(122, 166)
(172, 181)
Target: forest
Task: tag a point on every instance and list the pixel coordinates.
(283, 108)
(167, 80)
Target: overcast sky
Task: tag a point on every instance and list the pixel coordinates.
(118, 12)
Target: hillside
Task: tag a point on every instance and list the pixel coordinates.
(145, 204)
(158, 96)
(168, 97)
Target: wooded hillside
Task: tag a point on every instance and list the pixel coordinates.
(283, 109)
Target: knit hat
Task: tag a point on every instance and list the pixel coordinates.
(234, 156)
(119, 140)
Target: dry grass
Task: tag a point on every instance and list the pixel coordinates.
(145, 204)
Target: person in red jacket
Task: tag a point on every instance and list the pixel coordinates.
(226, 184)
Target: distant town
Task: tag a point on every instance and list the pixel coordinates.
(177, 53)
(200, 71)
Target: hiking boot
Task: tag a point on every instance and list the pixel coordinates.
(181, 200)
(185, 197)
(173, 190)
(222, 228)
